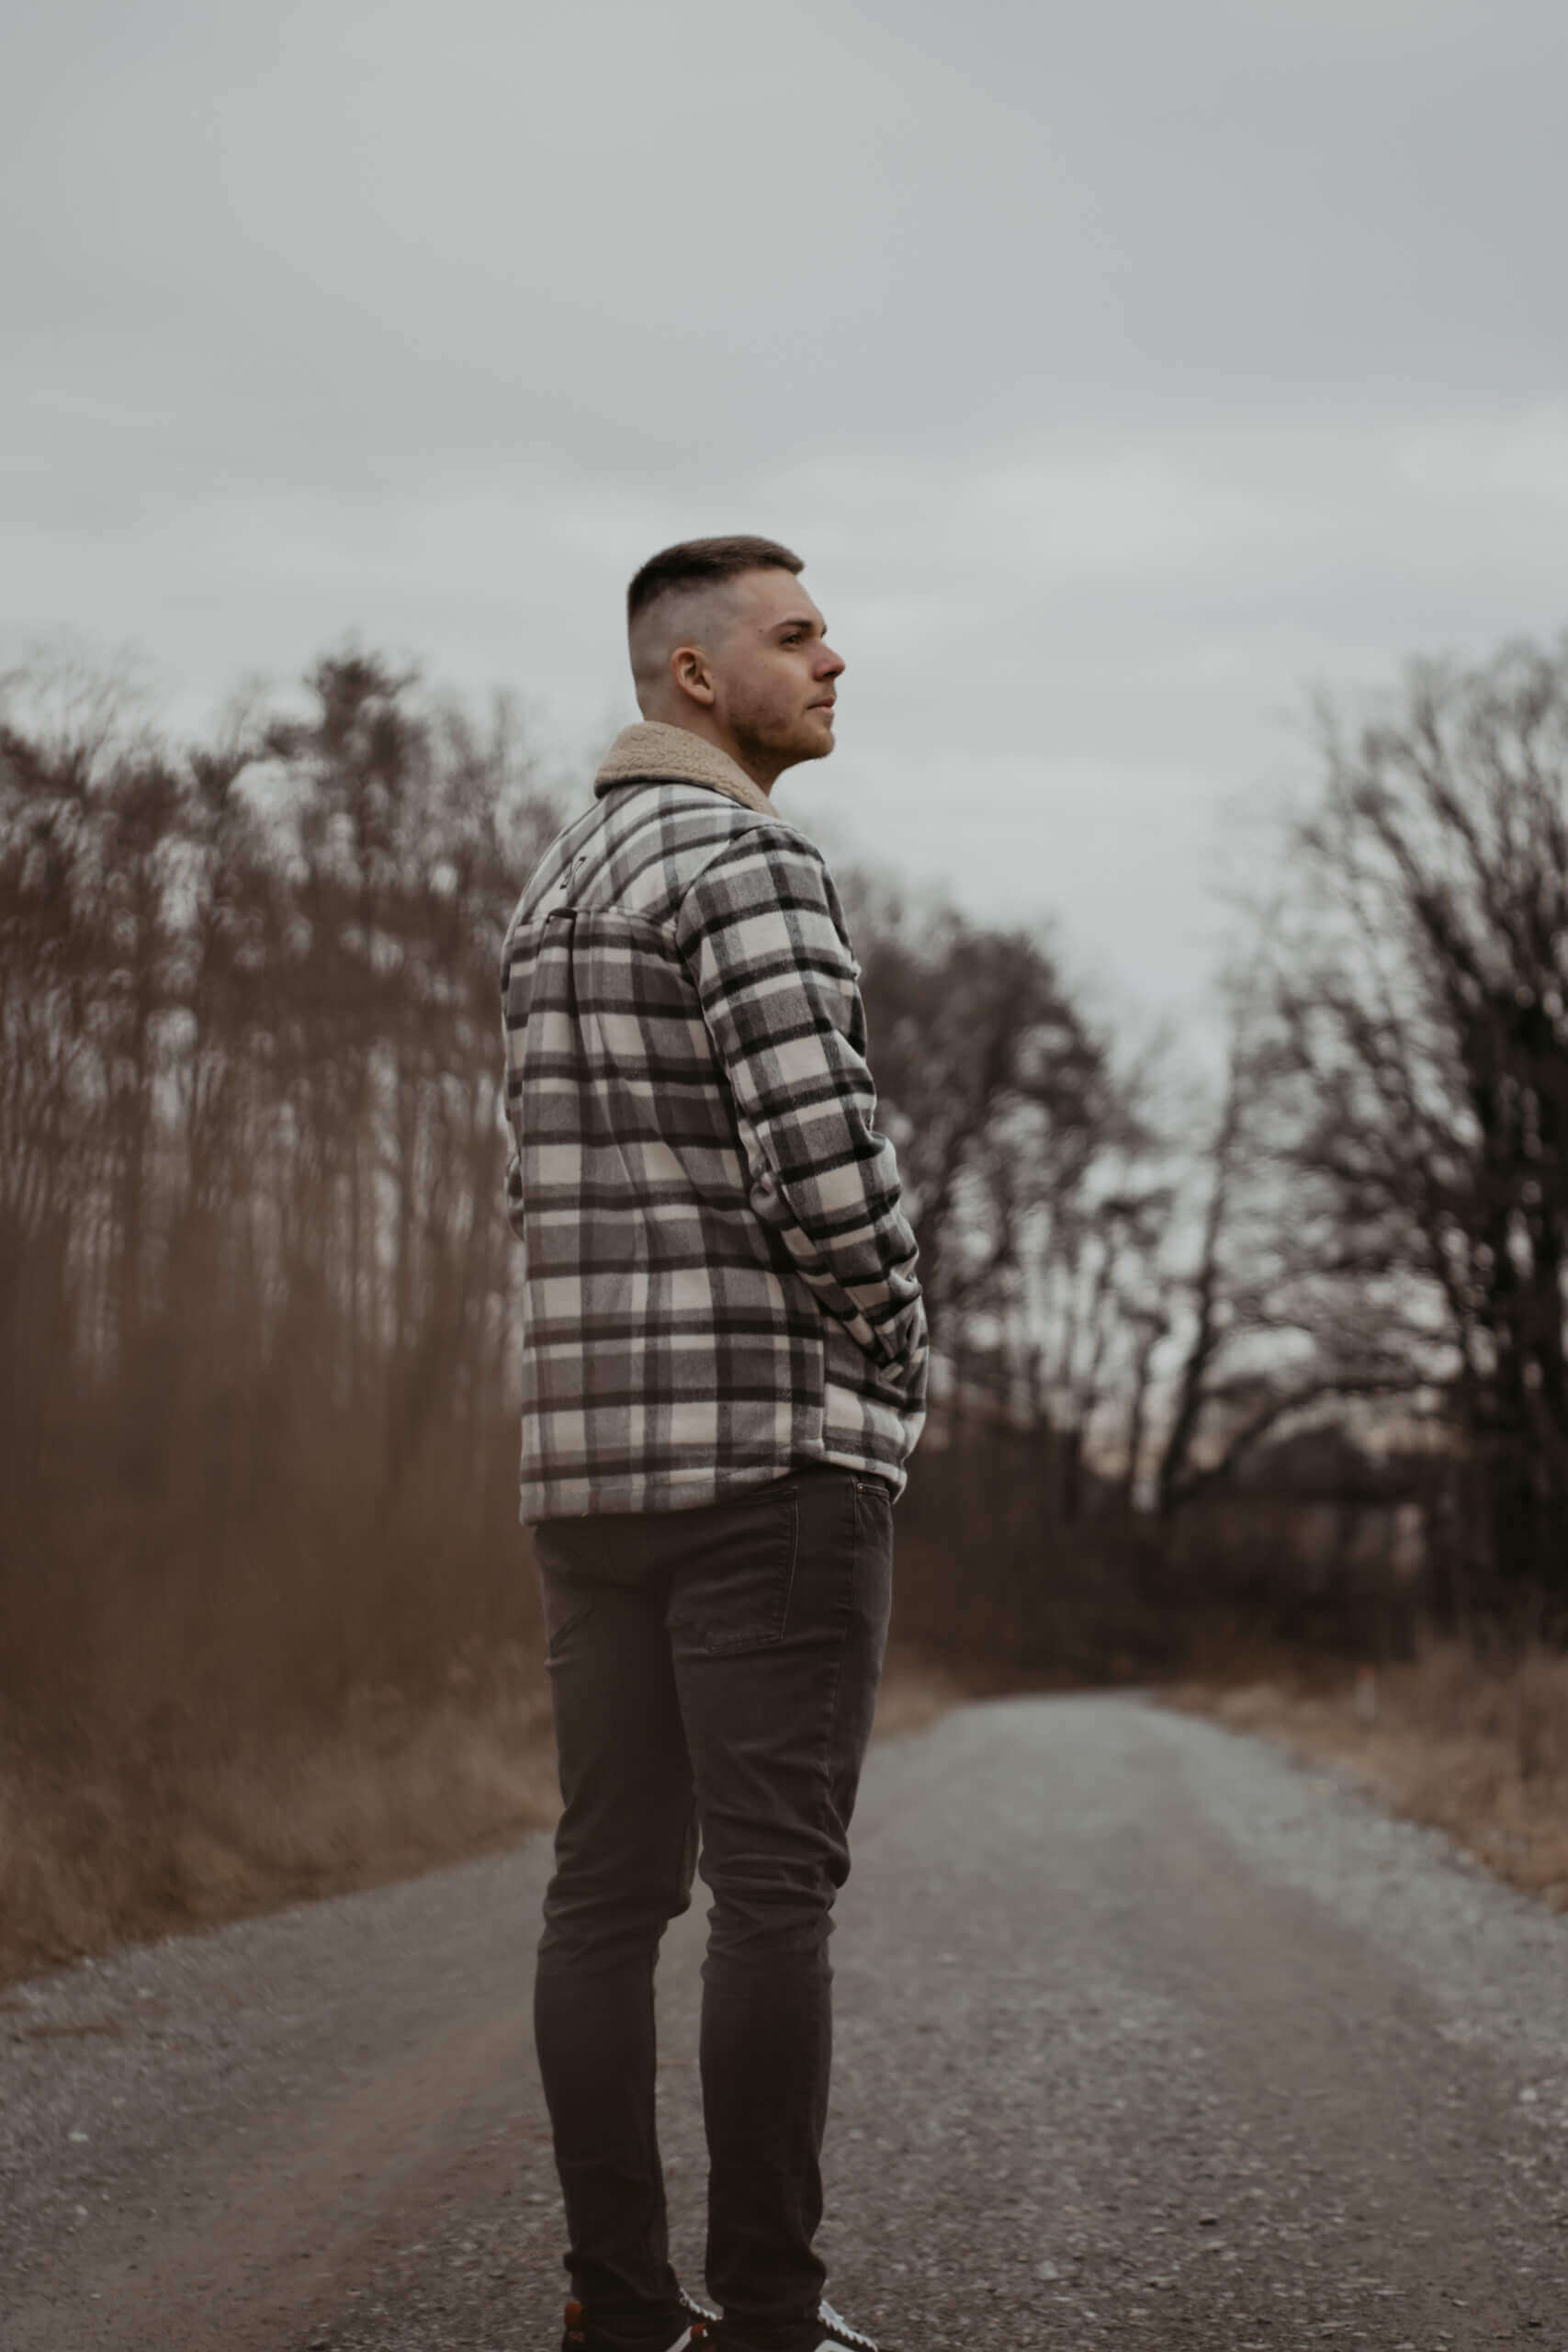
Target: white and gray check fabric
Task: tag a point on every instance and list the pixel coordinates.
(718, 1280)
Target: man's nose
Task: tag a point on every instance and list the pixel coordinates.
(829, 663)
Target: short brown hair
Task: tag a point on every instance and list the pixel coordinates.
(699, 562)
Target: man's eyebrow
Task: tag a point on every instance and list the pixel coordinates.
(802, 620)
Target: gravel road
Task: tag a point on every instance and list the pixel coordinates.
(1146, 2038)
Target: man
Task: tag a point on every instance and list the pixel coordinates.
(723, 1374)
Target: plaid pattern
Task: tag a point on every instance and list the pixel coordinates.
(718, 1280)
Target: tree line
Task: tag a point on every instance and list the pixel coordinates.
(257, 1296)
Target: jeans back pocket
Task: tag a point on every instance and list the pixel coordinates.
(734, 1594)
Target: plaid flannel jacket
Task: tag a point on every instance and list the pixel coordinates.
(718, 1281)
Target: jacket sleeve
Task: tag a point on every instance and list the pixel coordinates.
(763, 935)
(515, 976)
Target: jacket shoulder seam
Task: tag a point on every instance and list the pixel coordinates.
(743, 839)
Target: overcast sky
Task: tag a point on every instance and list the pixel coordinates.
(1122, 371)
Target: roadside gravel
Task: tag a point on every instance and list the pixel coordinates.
(1147, 2037)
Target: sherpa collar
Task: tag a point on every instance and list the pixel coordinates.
(651, 752)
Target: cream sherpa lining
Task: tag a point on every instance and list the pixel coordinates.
(651, 752)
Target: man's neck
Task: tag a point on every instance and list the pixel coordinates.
(764, 776)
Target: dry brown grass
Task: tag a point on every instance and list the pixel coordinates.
(100, 1852)
(918, 1689)
(1474, 1745)
(95, 1851)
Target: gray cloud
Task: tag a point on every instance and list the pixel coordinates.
(1119, 371)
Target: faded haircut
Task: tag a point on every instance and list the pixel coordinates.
(704, 563)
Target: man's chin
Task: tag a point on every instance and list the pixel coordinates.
(809, 742)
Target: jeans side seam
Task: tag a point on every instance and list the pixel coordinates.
(686, 1865)
(794, 1564)
(826, 1770)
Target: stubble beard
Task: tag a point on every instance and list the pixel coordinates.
(769, 744)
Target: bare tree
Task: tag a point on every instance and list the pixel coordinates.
(1264, 1326)
(254, 1290)
(1421, 1003)
(992, 1077)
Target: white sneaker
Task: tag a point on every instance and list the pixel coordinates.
(840, 2332)
(838, 2335)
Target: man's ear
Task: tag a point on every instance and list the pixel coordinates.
(689, 668)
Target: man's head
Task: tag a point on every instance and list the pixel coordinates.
(726, 643)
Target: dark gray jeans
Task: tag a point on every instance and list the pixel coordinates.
(714, 1674)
